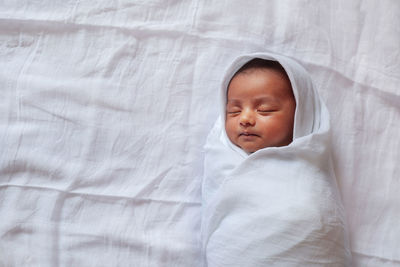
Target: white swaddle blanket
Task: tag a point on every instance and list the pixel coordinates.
(278, 206)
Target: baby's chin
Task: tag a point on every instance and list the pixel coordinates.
(250, 149)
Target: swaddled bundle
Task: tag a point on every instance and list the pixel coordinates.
(278, 205)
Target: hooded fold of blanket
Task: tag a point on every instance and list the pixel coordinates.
(278, 206)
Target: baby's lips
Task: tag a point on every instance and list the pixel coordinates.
(248, 134)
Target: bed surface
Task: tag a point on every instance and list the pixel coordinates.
(105, 107)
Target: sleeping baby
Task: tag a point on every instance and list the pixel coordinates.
(260, 106)
(269, 191)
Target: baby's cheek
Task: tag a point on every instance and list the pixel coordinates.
(274, 128)
(229, 128)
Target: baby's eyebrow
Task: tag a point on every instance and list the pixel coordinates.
(258, 100)
(266, 99)
(233, 101)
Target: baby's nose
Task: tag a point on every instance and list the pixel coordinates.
(247, 118)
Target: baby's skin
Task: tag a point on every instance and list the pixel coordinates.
(260, 109)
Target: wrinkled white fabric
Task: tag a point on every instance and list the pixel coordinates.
(105, 107)
(278, 206)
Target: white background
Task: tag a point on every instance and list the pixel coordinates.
(105, 107)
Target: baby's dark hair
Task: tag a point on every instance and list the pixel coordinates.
(259, 63)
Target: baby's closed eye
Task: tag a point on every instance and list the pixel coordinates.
(233, 112)
(233, 109)
(266, 109)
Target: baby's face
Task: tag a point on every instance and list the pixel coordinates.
(260, 110)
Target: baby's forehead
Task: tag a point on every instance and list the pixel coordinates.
(274, 81)
(271, 73)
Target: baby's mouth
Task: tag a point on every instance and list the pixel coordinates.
(248, 134)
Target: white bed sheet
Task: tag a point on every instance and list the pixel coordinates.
(105, 107)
